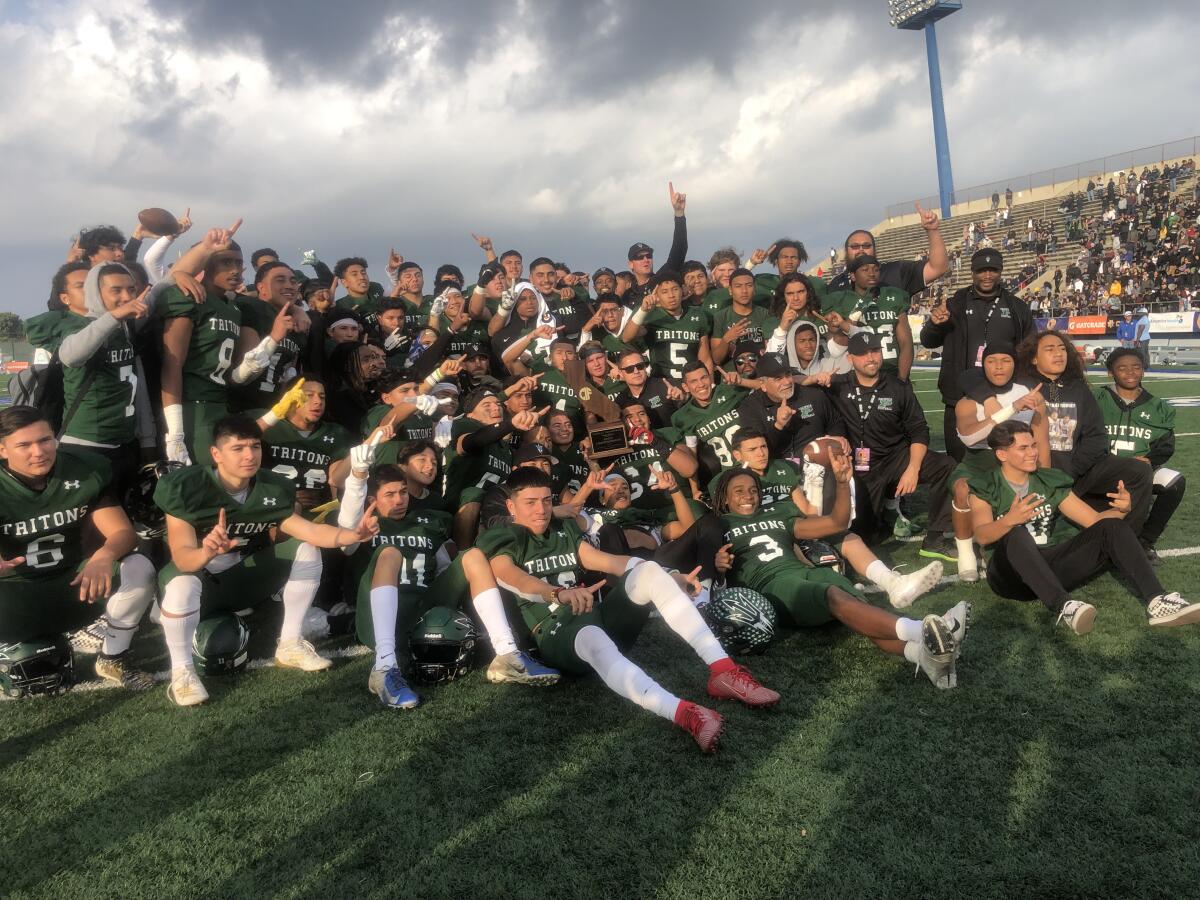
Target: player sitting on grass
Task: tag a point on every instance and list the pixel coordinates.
(542, 561)
(221, 524)
(405, 569)
(1015, 508)
(49, 496)
(759, 556)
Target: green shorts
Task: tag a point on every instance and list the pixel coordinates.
(34, 607)
(200, 417)
(554, 632)
(798, 593)
(975, 462)
(450, 588)
(255, 579)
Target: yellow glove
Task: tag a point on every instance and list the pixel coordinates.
(290, 401)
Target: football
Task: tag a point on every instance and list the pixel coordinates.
(158, 221)
(820, 450)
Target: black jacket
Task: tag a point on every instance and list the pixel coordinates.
(1073, 401)
(951, 336)
(814, 418)
(894, 419)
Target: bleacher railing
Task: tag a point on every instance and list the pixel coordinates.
(1098, 169)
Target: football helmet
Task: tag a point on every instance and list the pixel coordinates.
(821, 555)
(147, 518)
(743, 620)
(43, 665)
(219, 647)
(442, 643)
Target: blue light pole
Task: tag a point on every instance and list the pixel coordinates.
(914, 15)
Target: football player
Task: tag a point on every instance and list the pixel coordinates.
(880, 310)
(674, 334)
(542, 560)
(277, 288)
(50, 495)
(221, 527)
(743, 319)
(711, 416)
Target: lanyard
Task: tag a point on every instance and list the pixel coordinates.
(864, 411)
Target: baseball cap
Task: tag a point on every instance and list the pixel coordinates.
(987, 259)
(771, 366)
(747, 346)
(1128, 312)
(529, 452)
(603, 270)
(862, 342)
(591, 348)
(859, 261)
(638, 249)
(475, 350)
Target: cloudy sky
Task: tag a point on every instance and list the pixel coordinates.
(553, 126)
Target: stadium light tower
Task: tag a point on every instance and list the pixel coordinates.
(916, 15)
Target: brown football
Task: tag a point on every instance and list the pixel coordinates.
(158, 221)
(821, 449)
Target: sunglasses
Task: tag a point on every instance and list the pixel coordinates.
(746, 358)
(629, 370)
(642, 256)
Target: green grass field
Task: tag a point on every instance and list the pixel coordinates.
(1061, 766)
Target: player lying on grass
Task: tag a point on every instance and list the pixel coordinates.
(579, 628)
(224, 525)
(50, 497)
(759, 556)
(405, 569)
(1015, 509)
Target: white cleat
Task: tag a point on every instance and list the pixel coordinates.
(300, 655)
(957, 619)
(186, 689)
(907, 588)
(936, 652)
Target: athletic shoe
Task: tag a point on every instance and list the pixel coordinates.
(936, 651)
(703, 724)
(904, 527)
(968, 574)
(1152, 555)
(89, 640)
(738, 684)
(957, 619)
(118, 670)
(1078, 616)
(300, 654)
(185, 688)
(907, 588)
(1171, 609)
(520, 668)
(938, 546)
(391, 689)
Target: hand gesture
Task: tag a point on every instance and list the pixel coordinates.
(842, 470)
(757, 257)
(940, 314)
(333, 289)
(523, 421)
(1023, 509)
(362, 457)
(1032, 400)
(595, 480)
(678, 201)
(545, 332)
(283, 323)
(484, 242)
(724, 558)
(217, 542)
(730, 375)
(528, 383)
(592, 323)
(836, 322)
(75, 252)
(649, 302)
(566, 293)
(368, 525)
(461, 321)
(1120, 499)
(929, 219)
(736, 330)
(580, 599)
(689, 583)
(674, 393)
(784, 414)
(134, 309)
(664, 480)
(450, 368)
(788, 319)
(292, 400)
(184, 222)
(218, 239)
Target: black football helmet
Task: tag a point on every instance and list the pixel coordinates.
(43, 665)
(821, 555)
(743, 620)
(147, 518)
(442, 644)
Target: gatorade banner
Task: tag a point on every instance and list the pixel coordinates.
(1172, 323)
(1087, 324)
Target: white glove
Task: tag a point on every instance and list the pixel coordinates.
(507, 302)
(426, 403)
(363, 456)
(691, 441)
(438, 306)
(308, 257)
(393, 340)
(177, 449)
(442, 432)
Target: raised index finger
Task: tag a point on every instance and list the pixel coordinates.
(235, 226)
(221, 517)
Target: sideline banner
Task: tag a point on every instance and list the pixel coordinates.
(1056, 324)
(1172, 323)
(1087, 324)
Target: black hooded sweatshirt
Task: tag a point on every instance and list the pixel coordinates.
(1078, 440)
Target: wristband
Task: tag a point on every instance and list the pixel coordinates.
(639, 316)
(1003, 414)
(173, 416)
(269, 418)
(674, 490)
(433, 378)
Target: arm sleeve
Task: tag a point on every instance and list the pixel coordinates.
(155, 259)
(679, 245)
(434, 354)
(132, 246)
(324, 272)
(484, 437)
(354, 496)
(76, 349)
(1161, 450)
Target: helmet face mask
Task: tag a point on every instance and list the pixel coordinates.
(43, 665)
(442, 644)
(743, 620)
(219, 647)
(148, 520)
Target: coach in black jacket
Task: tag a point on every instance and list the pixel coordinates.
(975, 316)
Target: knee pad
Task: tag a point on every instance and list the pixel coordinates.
(592, 644)
(1168, 479)
(136, 572)
(647, 581)
(306, 565)
(182, 595)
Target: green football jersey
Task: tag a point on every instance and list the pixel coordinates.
(637, 467)
(762, 323)
(777, 482)
(366, 307)
(474, 470)
(474, 332)
(879, 315)
(553, 391)
(46, 526)
(762, 543)
(714, 301)
(216, 324)
(304, 459)
(1054, 486)
(1132, 429)
(106, 413)
(571, 470)
(259, 392)
(675, 342)
(418, 536)
(194, 495)
(553, 557)
(714, 424)
(42, 331)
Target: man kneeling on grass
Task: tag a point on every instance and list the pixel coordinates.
(1014, 510)
(542, 561)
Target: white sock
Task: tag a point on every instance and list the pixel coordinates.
(880, 574)
(622, 677)
(385, 607)
(490, 606)
(650, 583)
(125, 608)
(912, 652)
(300, 590)
(966, 554)
(908, 629)
(181, 615)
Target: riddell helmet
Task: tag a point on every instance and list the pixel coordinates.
(822, 555)
(42, 665)
(743, 620)
(219, 647)
(147, 518)
(442, 643)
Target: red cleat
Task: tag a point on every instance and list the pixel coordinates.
(702, 723)
(738, 684)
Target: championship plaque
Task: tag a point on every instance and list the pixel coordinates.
(607, 435)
